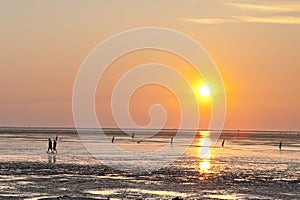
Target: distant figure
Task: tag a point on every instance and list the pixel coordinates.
(113, 139)
(171, 140)
(56, 138)
(280, 145)
(49, 145)
(132, 135)
(54, 146)
(223, 143)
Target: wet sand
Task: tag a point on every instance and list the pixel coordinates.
(248, 167)
(43, 180)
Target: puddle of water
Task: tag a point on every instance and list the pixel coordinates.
(115, 177)
(285, 179)
(223, 196)
(240, 179)
(4, 187)
(9, 195)
(100, 192)
(25, 182)
(10, 178)
(64, 189)
(41, 197)
(153, 192)
(158, 192)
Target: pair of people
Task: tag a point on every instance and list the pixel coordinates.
(52, 148)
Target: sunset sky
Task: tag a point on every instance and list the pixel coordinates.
(255, 45)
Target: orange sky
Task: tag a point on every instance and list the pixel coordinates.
(255, 45)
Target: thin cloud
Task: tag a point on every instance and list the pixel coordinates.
(272, 13)
(208, 20)
(247, 19)
(270, 20)
(268, 8)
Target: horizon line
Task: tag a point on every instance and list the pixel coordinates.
(166, 129)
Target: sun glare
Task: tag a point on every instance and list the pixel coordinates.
(204, 165)
(204, 91)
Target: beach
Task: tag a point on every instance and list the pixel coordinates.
(249, 166)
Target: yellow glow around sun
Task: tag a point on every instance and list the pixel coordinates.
(204, 91)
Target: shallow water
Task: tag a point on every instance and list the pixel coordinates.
(249, 166)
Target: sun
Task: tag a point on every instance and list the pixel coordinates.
(204, 91)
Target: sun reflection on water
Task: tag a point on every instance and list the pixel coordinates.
(204, 165)
(204, 149)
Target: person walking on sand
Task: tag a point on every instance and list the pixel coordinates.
(54, 146)
(280, 145)
(223, 143)
(49, 145)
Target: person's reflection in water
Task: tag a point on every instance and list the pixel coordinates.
(54, 158)
(51, 158)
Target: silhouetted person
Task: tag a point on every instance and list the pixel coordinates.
(54, 146)
(49, 145)
(223, 143)
(280, 145)
(171, 140)
(113, 139)
(56, 138)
